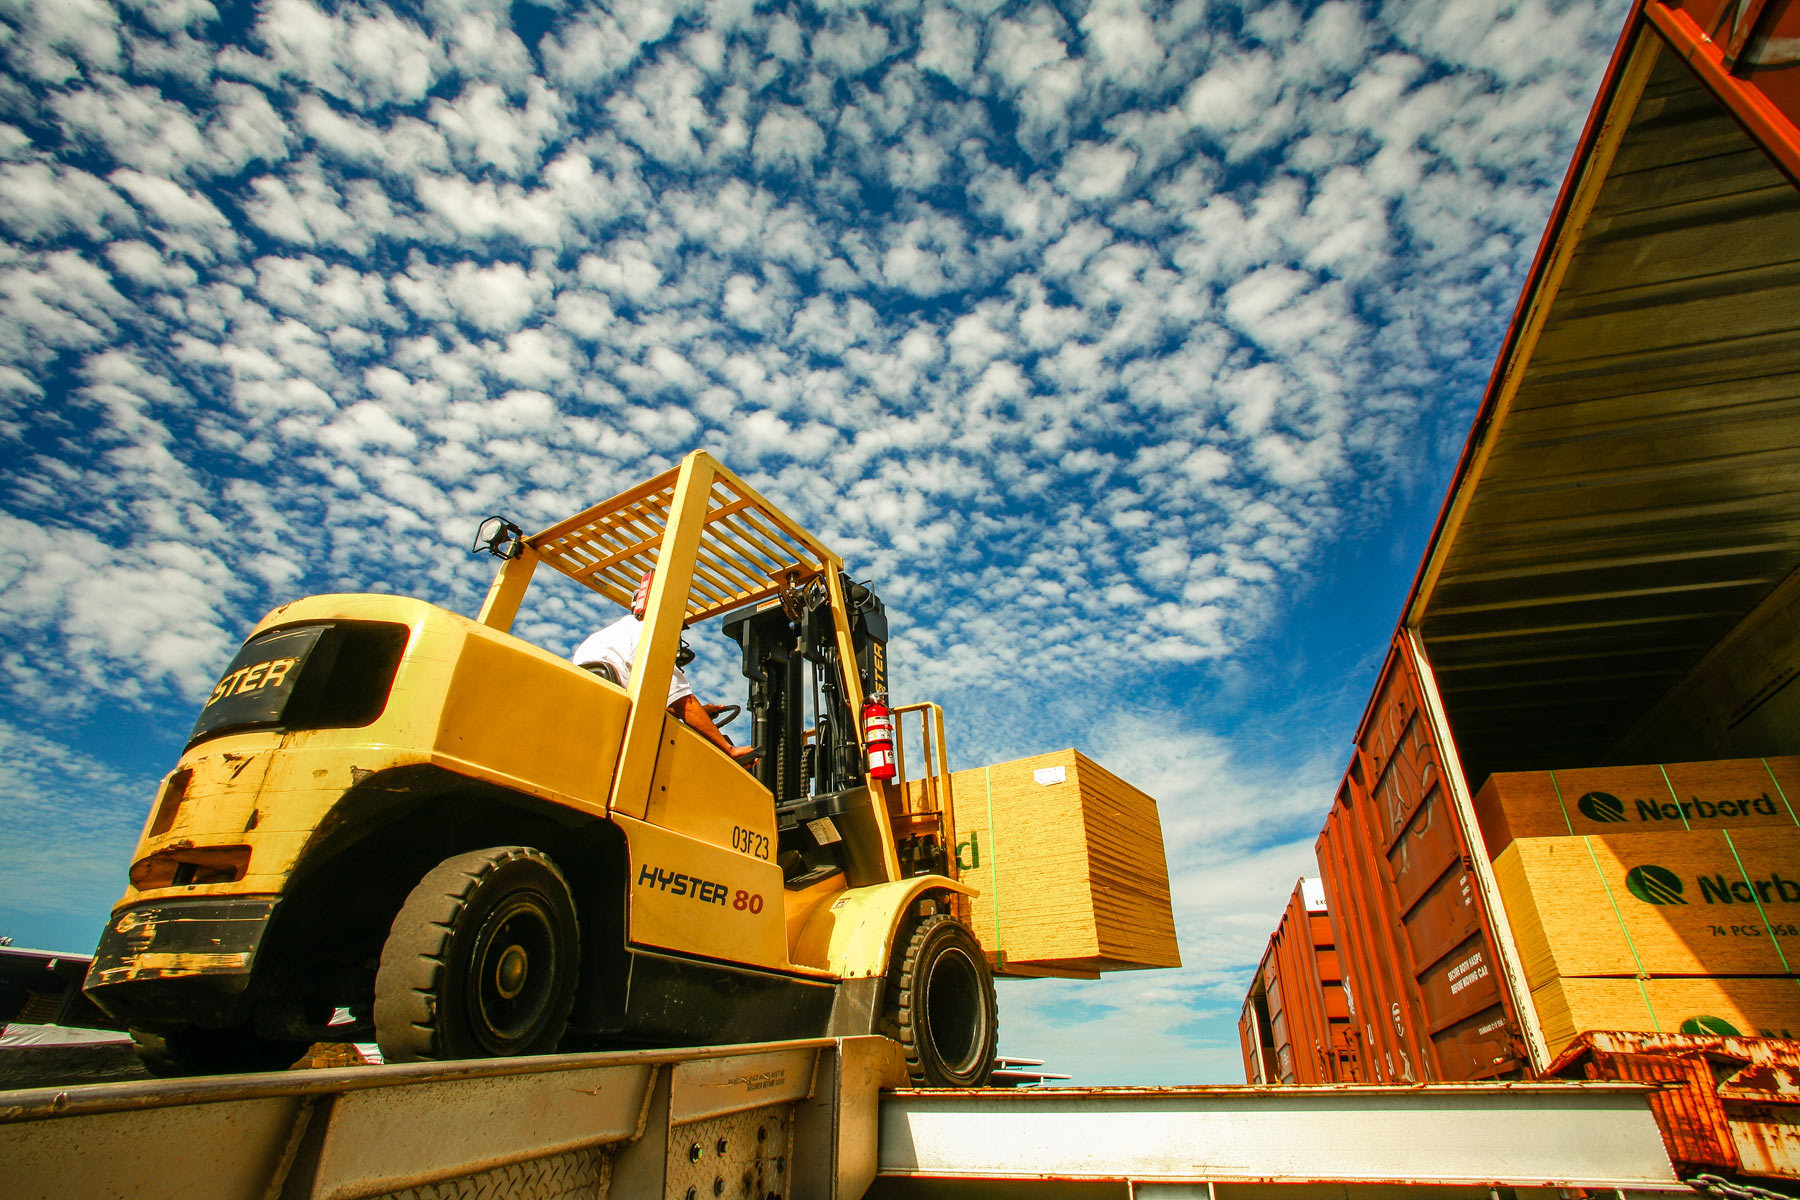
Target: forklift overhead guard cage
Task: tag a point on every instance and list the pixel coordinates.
(746, 549)
(716, 545)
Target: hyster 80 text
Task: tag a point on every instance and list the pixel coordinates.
(703, 890)
(677, 884)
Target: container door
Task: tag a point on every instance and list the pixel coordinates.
(1426, 861)
(1380, 993)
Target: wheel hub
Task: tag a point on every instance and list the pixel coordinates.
(510, 971)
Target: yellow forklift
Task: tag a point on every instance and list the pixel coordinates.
(392, 821)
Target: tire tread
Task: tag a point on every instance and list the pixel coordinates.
(906, 1024)
(413, 960)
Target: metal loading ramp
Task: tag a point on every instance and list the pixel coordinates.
(805, 1119)
(1449, 1139)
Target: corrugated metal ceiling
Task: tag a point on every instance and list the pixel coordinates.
(1640, 496)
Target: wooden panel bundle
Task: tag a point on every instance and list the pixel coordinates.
(1654, 898)
(1724, 794)
(1069, 862)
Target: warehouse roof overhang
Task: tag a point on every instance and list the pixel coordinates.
(1628, 494)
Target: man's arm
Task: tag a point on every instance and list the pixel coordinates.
(698, 719)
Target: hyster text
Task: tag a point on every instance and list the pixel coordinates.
(269, 674)
(677, 884)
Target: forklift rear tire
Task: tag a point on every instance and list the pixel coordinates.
(481, 962)
(197, 1051)
(941, 1005)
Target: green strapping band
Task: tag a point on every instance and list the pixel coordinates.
(1624, 929)
(1668, 783)
(1779, 792)
(1757, 900)
(1560, 803)
(987, 776)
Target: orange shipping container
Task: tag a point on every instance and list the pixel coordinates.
(1419, 954)
(1295, 1025)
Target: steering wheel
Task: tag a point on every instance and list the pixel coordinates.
(726, 715)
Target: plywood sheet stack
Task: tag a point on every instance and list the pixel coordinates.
(1658, 898)
(1069, 862)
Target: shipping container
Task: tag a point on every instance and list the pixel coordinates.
(1411, 925)
(1612, 580)
(1295, 1025)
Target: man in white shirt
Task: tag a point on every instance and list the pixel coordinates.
(616, 647)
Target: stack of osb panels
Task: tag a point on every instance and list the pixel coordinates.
(1068, 859)
(1693, 928)
(1297, 1002)
(1735, 793)
(1417, 947)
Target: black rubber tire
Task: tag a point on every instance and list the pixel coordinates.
(196, 1051)
(442, 989)
(941, 1005)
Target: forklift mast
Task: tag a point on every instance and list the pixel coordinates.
(779, 640)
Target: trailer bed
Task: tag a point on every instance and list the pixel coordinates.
(801, 1119)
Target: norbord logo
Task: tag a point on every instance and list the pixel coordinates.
(1609, 809)
(1659, 885)
(1603, 807)
(1655, 885)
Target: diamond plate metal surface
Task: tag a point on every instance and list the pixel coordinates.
(742, 1156)
(578, 1175)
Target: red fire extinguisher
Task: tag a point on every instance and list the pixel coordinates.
(640, 599)
(878, 736)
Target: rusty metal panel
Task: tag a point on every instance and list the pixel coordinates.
(1384, 1012)
(1250, 1045)
(216, 1150)
(1732, 1104)
(1401, 867)
(384, 1140)
(1305, 996)
(550, 1126)
(713, 1087)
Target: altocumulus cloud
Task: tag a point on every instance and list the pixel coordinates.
(1086, 331)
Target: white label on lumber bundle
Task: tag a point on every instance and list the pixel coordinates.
(1050, 775)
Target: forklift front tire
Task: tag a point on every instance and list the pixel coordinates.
(481, 961)
(941, 1005)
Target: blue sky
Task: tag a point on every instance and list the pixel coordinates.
(1125, 348)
